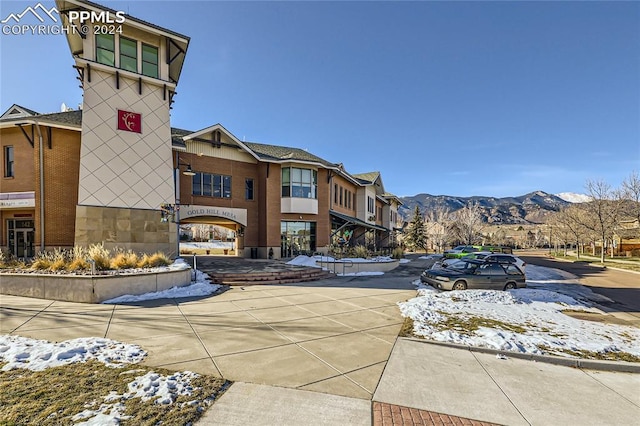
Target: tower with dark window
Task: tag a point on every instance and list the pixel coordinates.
(128, 70)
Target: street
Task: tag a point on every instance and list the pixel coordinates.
(621, 286)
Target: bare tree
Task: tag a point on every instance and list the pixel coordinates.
(603, 212)
(200, 232)
(570, 222)
(468, 224)
(437, 225)
(630, 192)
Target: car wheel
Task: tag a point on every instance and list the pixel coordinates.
(459, 285)
(510, 286)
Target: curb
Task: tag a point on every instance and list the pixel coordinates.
(587, 364)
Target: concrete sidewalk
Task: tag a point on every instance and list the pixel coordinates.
(508, 391)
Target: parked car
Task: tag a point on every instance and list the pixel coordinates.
(477, 274)
(506, 258)
(454, 262)
(497, 249)
(460, 251)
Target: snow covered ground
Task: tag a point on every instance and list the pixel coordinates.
(200, 287)
(527, 320)
(38, 355)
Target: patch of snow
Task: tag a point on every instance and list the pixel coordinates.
(37, 355)
(200, 287)
(151, 386)
(572, 197)
(531, 318)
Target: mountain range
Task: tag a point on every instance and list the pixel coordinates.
(532, 208)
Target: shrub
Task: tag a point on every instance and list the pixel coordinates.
(159, 259)
(124, 260)
(42, 261)
(397, 253)
(100, 255)
(79, 264)
(360, 252)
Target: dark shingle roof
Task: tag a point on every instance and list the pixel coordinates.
(69, 118)
(177, 135)
(368, 178)
(283, 153)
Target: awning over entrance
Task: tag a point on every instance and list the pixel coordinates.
(343, 219)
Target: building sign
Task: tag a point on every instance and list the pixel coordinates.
(129, 121)
(235, 215)
(17, 200)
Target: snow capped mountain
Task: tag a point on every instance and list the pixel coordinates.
(572, 197)
(534, 207)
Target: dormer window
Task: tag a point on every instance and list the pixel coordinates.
(128, 54)
(106, 49)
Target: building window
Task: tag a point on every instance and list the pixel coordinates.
(128, 54)
(248, 189)
(106, 49)
(335, 193)
(348, 199)
(297, 238)
(211, 185)
(8, 161)
(149, 60)
(341, 196)
(299, 183)
(370, 205)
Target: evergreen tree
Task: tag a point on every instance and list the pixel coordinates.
(416, 238)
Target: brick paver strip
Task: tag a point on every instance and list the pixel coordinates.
(395, 415)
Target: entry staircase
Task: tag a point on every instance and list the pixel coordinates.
(235, 271)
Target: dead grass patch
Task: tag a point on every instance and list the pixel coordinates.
(584, 354)
(407, 328)
(53, 396)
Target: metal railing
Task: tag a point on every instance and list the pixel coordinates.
(334, 262)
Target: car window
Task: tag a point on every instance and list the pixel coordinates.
(513, 270)
(491, 269)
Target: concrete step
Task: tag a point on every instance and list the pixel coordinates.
(279, 277)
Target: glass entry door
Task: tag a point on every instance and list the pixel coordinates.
(20, 238)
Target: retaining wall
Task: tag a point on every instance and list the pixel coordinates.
(90, 288)
(347, 267)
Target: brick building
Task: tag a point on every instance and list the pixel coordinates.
(106, 173)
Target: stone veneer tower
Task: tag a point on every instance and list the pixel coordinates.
(129, 70)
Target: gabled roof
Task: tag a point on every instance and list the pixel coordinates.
(280, 154)
(367, 178)
(68, 119)
(15, 111)
(177, 136)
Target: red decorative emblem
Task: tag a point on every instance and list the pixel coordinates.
(129, 121)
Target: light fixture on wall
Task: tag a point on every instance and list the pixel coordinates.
(189, 171)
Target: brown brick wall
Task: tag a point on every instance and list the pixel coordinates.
(61, 173)
(61, 170)
(345, 185)
(24, 178)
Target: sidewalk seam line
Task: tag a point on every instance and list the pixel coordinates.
(195, 332)
(113, 311)
(611, 389)
(499, 387)
(32, 317)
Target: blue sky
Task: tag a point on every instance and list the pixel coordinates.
(456, 98)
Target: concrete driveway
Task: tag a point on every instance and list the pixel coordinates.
(332, 336)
